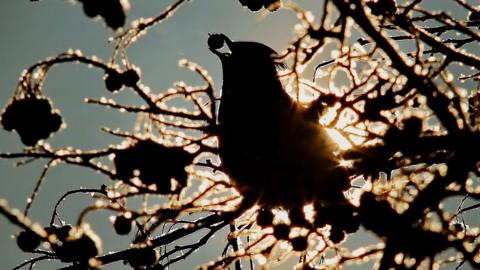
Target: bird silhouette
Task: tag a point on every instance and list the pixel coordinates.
(273, 149)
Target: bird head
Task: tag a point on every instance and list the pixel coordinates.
(249, 58)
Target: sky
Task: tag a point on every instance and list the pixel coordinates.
(33, 31)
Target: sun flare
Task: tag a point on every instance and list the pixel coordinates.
(339, 139)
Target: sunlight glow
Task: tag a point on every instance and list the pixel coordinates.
(261, 260)
(339, 139)
(328, 116)
(345, 163)
(309, 212)
(281, 216)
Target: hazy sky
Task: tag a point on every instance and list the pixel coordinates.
(33, 31)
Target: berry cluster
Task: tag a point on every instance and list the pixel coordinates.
(382, 7)
(343, 219)
(143, 258)
(72, 240)
(112, 11)
(256, 5)
(379, 216)
(281, 231)
(32, 117)
(155, 163)
(114, 80)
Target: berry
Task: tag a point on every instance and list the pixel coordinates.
(264, 217)
(337, 236)
(382, 7)
(216, 41)
(144, 257)
(253, 5)
(281, 231)
(256, 5)
(8, 118)
(90, 8)
(122, 225)
(458, 227)
(80, 249)
(54, 122)
(113, 81)
(112, 11)
(130, 77)
(320, 221)
(299, 243)
(79, 246)
(412, 127)
(392, 135)
(28, 241)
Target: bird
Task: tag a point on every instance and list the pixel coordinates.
(272, 148)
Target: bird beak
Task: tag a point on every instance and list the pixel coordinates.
(223, 51)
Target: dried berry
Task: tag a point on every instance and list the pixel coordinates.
(253, 5)
(32, 117)
(130, 77)
(79, 246)
(215, 41)
(156, 164)
(114, 15)
(28, 241)
(9, 117)
(144, 257)
(122, 225)
(281, 231)
(459, 227)
(299, 243)
(337, 236)
(113, 81)
(112, 11)
(256, 5)
(90, 8)
(264, 217)
(412, 127)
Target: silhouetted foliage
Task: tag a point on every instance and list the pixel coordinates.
(293, 167)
